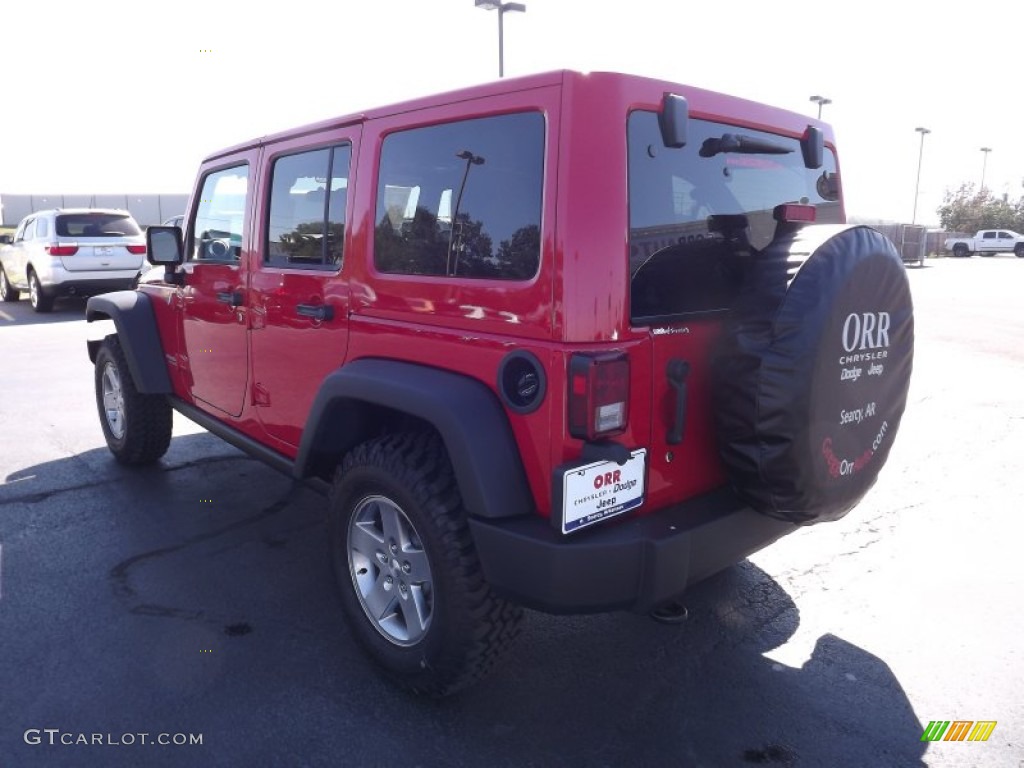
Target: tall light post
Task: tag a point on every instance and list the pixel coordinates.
(502, 9)
(821, 101)
(920, 156)
(984, 163)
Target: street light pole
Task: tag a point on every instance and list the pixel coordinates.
(501, 8)
(920, 156)
(821, 101)
(984, 163)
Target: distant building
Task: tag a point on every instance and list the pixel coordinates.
(147, 209)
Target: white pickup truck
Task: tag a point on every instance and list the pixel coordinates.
(988, 242)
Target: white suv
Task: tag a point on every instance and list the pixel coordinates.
(71, 252)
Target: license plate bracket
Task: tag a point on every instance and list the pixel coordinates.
(587, 494)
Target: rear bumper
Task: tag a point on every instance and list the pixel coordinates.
(90, 287)
(56, 280)
(634, 565)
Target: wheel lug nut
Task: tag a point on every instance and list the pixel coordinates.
(406, 568)
(403, 589)
(394, 548)
(383, 558)
(388, 582)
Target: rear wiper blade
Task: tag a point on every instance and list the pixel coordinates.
(744, 145)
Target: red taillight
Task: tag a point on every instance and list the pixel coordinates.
(795, 212)
(136, 249)
(62, 250)
(598, 395)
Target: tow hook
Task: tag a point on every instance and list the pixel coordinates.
(672, 612)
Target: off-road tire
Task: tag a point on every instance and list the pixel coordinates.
(1018, 250)
(961, 251)
(37, 296)
(469, 626)
(147, 420)
(7, 291)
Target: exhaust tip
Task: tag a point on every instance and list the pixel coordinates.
(673, 612)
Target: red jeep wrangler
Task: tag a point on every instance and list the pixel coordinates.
(572, 342)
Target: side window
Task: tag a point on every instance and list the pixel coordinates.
(30, 230)
(306, 229)
(989, 236)
(220, 220)
(42, 228)
(462, 199)
(1005, 236)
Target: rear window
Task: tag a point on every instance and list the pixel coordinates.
(694, 218)
(462, 199)
(96, 225)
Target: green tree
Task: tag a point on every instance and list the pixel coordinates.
(968, 210)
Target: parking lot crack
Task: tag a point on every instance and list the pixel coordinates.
(120, 574)
(38, 496)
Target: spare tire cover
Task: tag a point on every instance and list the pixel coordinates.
(813, 372)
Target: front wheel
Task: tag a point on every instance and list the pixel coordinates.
(7, 291)
(137, 427)
(411, 583)
(1018, 250)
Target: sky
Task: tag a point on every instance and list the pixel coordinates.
(128, 97)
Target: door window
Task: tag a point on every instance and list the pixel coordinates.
(220, 221)
(308, 193)
(29, 231)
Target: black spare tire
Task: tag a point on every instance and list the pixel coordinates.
(812, 376)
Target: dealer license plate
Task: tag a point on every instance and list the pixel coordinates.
(604, 489)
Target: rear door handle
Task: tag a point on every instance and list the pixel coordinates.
(316, 311)
(233, 299)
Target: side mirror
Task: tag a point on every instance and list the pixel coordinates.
(6, 239)
(163, 246)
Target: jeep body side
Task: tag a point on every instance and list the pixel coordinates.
(484, 312)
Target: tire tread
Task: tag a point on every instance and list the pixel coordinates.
(419, 462)
(148, 418)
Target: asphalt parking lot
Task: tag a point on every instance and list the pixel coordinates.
(195, 598)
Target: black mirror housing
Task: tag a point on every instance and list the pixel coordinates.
(812, 144)
(674, 115)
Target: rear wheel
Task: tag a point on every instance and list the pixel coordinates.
(1018, 250)
(961, 251)
(37, 297)
(7, 291)
(137, 427)
(411, 583)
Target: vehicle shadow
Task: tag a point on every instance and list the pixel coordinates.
(21, 312)
(622, 690)
(610, 689)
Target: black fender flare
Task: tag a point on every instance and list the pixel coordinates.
(463, 410)
(135, 321)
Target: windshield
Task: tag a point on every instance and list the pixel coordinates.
(696, 210)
